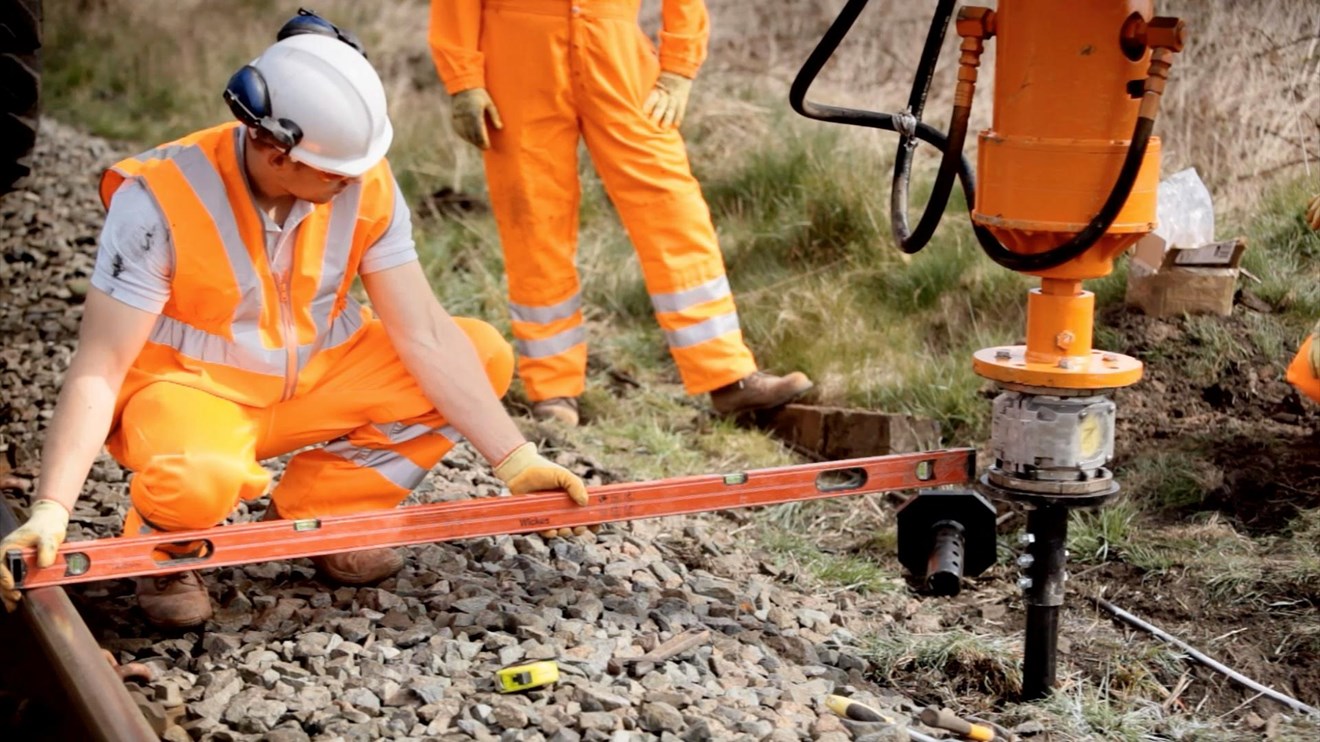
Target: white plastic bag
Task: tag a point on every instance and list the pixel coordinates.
(1185, 215)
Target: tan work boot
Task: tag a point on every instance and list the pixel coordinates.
(561, 409)
(758, 392)
(354, 567)
(174, 601)
(359, 567)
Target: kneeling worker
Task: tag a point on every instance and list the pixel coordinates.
(220, 330)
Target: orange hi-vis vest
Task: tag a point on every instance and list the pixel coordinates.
(232, 327)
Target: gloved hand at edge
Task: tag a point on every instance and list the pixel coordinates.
(668, 100)
(46, 528)
(470, 108)
(525, 470)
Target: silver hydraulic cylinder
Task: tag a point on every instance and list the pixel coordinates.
(1050, 445)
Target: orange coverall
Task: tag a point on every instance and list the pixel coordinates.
(244, 365)
(564, 70)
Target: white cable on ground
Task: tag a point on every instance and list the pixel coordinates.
(1221, 668)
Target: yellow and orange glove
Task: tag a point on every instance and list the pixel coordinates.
(46, 528)
(526, 470)
(1313, 212)
(470, 109)
(668, 100)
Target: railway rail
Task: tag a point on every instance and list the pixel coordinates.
(61, 685)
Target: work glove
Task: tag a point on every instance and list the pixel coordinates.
(1313, 212)
(667, 102)
(526, 470)
(469, 116)
(46, 528)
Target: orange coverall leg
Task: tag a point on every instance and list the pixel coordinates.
(196, 455)
(556, 76)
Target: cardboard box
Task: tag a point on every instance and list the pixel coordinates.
(1164, 282)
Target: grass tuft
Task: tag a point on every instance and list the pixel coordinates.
(801, 555)
(948, 664)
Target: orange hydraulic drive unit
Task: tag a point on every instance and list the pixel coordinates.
(1068, 174)
(1074, 84)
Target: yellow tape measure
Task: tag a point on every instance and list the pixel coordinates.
(525, 677)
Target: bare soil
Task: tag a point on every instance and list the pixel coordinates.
(1258, 437)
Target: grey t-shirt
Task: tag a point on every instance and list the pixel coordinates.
(135, 258)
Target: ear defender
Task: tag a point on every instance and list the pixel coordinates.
(249, 100)
(307, 21)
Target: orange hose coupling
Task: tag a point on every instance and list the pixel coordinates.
(975, 25)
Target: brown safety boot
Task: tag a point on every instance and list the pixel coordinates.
(758, 392)
(174, 601)
(354, 567)
(359, 567)
(560, 409)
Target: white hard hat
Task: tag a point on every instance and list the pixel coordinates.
(334, 95)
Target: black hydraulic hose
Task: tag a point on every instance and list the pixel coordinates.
(930, 55)
(908, 241)
(939, 195)
(797, 98)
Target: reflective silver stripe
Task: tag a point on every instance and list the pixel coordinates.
(544, 315)
(394, 467)
(204, 346)
(553, 345)
(342, 329)
(715, 288)
(703, 331)
(209, 188)
(338, 246)
(161, 153)
(401, 433)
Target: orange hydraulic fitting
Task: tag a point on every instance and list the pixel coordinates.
(975, 21)
(1158, 33)
(974, 25)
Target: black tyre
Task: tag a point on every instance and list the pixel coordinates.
(20, 87)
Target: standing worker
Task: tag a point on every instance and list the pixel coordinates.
(544, 73)
(219, 330)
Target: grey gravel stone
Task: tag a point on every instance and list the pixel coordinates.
(362, 698)
(661, 717)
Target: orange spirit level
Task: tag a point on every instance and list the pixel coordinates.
(224, 546)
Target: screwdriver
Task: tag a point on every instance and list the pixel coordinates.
(858, 711)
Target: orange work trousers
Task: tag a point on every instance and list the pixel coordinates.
(560, 72)
(195, 455)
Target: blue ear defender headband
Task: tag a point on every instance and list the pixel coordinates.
(248, 96)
